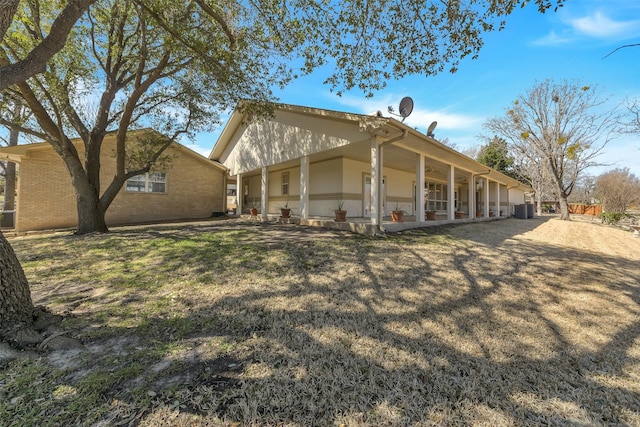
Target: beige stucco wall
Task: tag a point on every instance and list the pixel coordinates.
(331, 181)
(347, 176)
(343, 179)
(325, 188)
(289, 135)
(516, 196)
(46, 199)
(399, 191)
(278, 200)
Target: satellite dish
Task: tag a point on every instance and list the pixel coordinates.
(432, 127)
(406, 107)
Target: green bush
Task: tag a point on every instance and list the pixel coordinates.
(613, 218)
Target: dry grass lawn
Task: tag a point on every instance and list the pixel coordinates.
(504, 323)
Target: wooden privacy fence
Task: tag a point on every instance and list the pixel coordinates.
(578, 208)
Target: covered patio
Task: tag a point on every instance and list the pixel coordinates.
(309, 159)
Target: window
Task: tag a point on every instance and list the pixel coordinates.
(437, 196)
(285, 183)
(152, 182)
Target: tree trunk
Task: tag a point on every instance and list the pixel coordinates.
(8, 9)
(90, 211)
(10, 187)
(90, 215)
(564, 208)
(10, 176)
(16, 307)
(537, 198)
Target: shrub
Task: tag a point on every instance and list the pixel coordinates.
(613, 218)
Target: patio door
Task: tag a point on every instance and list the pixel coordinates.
(366, 208)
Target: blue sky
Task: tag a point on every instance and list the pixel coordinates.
(567, 44)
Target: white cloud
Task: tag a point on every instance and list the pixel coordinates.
(598, 25)
(419, 118)
(368, 105)
(449, 121)
(205, 151)
(552, 39)
(594, 24)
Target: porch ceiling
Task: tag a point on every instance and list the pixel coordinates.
(395, 156)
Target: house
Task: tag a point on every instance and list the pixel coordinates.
(191, 187)
(311, 158)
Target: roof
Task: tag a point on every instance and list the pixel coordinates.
(400, 141)
(19, 153)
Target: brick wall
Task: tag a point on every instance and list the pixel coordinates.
(46, 199)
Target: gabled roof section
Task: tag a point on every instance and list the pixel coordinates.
(19, 153)
(239, 118)
(353, 131)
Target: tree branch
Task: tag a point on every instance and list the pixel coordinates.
(618, 48)
(218, 18)
(23, 129)
(37, 59)
(8, 9)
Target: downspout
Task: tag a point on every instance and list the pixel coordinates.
(405, 132)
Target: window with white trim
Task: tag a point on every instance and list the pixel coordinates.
(151, 182)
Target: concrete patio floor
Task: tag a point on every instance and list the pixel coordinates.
(363, 225)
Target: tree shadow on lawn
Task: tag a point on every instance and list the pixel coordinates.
(433, 361)
(500, 230)
(406, 331)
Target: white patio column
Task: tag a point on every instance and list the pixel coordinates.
(451, 196)
(304, 187)
(239, 194)
(497, 196)
(376, 182)
(472, 194)
(420, 188)
(264, 201)
(485, 189)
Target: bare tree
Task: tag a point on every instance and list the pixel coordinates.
(618, 190)
(528, 170)
(584, 190)
(562, 128)
(632, 122)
